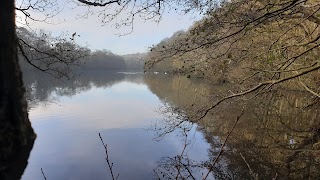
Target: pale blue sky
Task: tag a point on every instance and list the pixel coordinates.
(97, 36)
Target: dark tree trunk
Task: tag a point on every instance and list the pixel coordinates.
(16, 133)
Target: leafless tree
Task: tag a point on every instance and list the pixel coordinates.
(254, 44)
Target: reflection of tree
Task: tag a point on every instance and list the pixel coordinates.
(280, 132)
(278, 135)
(40, 87)
(180, 166)
(173, 119)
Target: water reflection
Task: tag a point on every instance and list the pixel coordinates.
(120, 107)
(277, 136)
(42, 88)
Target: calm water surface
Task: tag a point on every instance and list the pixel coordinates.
(278, 135)
(67, 121)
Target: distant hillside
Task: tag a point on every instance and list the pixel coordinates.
(105, 60)
(135, 61)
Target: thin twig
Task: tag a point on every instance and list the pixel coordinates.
(255, 176)
(155, 172)
(110, 164)
(222, 147)
(43, 174)
(308, 89)
(179, 157)
(275, 177)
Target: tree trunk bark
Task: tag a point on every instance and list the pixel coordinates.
(16, 133)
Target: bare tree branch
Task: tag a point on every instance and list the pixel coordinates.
(43, 174)
(222, 146)
(110, 164)
(99, 4)
(308, 89)
(261, 85)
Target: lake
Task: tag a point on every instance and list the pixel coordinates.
(67, 121)
(142, 119)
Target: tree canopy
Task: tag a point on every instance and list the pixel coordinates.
(253, 44)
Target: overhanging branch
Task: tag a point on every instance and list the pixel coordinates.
(261, 85)
(99, 4)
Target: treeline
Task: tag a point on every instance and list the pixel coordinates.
(104, 60)
(247, 41)
(135, 61)
(158, 59)
(62, 56)
(107, 61)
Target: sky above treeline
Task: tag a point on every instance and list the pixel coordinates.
(97, 35)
